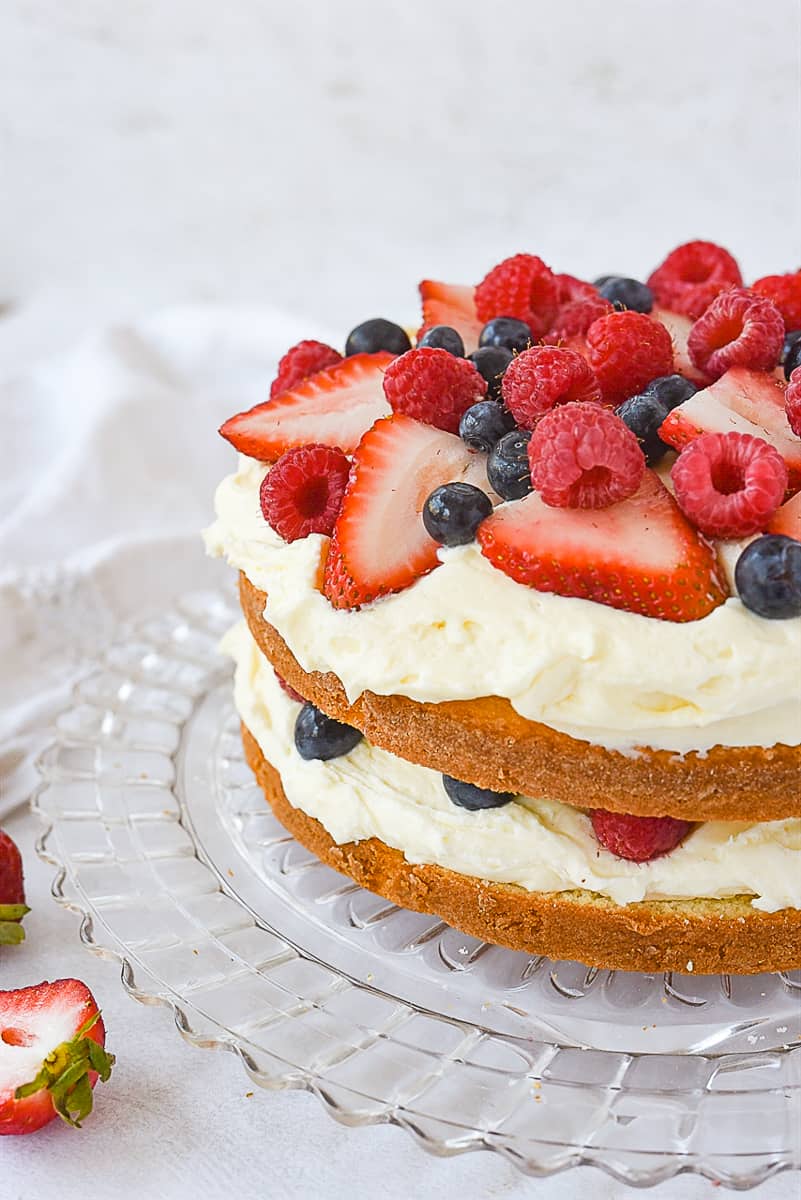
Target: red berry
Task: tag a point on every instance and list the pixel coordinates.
(638, 839)
(542, 377)
(729, 484)
(583, 456)
(12, 890)
(692, 275)
(522, 287)
(339, 586)
(433, 386)
(307, 358)
(785, 292)
(570, 290)
(738, 329)
(575, 318)
(792, 401)
(288, 689)
(302, 493)
(626, 350)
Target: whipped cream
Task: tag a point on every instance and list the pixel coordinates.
(536, 844)
(612, 678)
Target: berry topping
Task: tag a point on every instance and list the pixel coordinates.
(375, 335)
(643, 415)
(729, 484)
(491, 362)
(792, 402)
(508, 469)
(639, 839)
(692, 275)
(467, 795)
(381, 543)
(433, 386)
(630, 293)
(678, 327)
(542, 377)
(320, 737)
(641, 555)
(785, 292)
(12, 893)
(787, 519)
(506, 332)
(741, 401)
(307, 358)
(791, 352)
(332, 408)
(302, 493)
(574, 319)
(450, 304)
(288, 689)
(570, 289)
(583, 456)
(484, 424)
(443, 337)
(768, 577)
(738, 329)
(454, 511)
(626, 350)
(521, 287)
(671, 390)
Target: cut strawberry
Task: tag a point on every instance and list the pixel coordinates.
(641, 554)
(787, 519)
(741, 401)
(380, 543)
(332, 408)
(51, 1055)
(451, 304)
(679, 326)
(12, 893)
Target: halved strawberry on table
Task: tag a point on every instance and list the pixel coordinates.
(451, 304)
(12, 893)
(332, 408)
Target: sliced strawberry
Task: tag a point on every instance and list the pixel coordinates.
(12, 893)
(787, 519)
(380, 543)
(641, 554)
(741, 401)
(451, 304)
(332, 408)
(51, 1055)
(679, 326)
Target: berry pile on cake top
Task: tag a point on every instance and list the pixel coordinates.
(530, 415)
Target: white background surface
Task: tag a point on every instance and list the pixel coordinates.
(321, 158)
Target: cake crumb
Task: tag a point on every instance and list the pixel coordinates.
(690, 965)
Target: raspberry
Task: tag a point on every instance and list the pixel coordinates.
(570, 289)
(638, 839)
(785, 292)
(792, 401)
(739, 329)
(521, 287)
(575, 318)
(307, 358)
(729, 484)
(287, 687)
(542, 377)
(433, 386)
(692, 275)
(626, 350)
(583, 456)
(302, 492)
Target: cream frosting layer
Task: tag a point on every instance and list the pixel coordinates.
(608, 677)
(537, 844)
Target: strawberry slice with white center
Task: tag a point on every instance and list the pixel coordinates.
(679, 326)
(381, 541)
(787, 519)
(451, 304)
(741, 401)
(640, 554)
(332, 408)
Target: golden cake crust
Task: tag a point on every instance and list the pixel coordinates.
(486, 742)
(712, 935)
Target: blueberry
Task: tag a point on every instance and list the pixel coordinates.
(671, 390)
(467, 795)
(442, 337)
(791, 352)
(484, 424)
(507, 332)
(319, 736)
(768, 576)
(629, 292)
(644, 414)
(507, 466)
(377, 334)
(602, 279)
(453, 513)
(491, 362)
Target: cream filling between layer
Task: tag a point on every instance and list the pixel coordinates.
(466, 630)
(539, 845)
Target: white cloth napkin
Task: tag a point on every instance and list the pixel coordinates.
(108, 462)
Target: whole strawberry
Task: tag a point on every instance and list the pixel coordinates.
(12, 893)
(51, 1055)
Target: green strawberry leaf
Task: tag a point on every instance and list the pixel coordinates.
(65, 1074)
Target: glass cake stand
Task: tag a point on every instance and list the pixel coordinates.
(167, 849)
